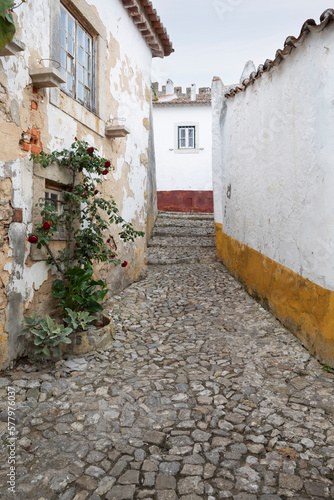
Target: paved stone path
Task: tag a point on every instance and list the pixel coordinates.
(202, 395)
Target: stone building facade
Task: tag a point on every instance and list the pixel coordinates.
(75, 69)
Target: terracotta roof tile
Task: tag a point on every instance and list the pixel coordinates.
(290, 44)
(148, 22)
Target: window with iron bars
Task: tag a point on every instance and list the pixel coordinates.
(186, 137)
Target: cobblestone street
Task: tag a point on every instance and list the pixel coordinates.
(202, 395)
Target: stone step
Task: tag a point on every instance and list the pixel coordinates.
(185, 216)
(183, 223)
(182, 238)
(182, 241)
(183, 231)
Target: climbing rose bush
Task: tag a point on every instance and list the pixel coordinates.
(86, 221)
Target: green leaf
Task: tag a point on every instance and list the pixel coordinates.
(49, 323)
(58, 289)
(7, 30)
(46, 351)
(38, 341)
(4, 6)
(39, 333)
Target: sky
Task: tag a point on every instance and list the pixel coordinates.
(217, 37)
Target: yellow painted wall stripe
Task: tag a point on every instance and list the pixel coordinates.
(305, 308)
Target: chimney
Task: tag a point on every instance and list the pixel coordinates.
(193, 92)
(169, 87)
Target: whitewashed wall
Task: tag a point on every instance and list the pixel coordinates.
(182, 171)
(274, 161)
(123, 74)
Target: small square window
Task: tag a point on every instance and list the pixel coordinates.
(55, 198)
(186, 137)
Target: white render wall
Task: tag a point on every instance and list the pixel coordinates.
(274, 161)
(182, 171)
(124, 79)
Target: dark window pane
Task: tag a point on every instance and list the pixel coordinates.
(80, 73)
(70, 46)
(63, 18)
(70, 83)
(70, 25)
(80, 92)
(63, 38)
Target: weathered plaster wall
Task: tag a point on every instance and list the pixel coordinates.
(182, 171)
(273, 169)
(151, 188)
(48, 119)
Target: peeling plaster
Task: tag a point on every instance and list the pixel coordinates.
(124, 75)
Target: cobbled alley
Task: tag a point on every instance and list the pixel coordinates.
(201, 395)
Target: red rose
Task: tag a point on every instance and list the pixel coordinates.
(103, 251)
(86, 187)
(113, 256)
(108, 240)
(124, 264)
(107, 164)
(75, 138)
(85, 195)
(70, 188)
(33, 238)
(105, 172)
(96, 191)
(46, 226)
(90, 151)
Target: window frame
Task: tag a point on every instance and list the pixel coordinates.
(58, 190)
(178, 149)
(187, 129)
(79, 22)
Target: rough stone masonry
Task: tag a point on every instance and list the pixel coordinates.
(202, 395)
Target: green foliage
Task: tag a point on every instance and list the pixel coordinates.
(7, 26)
(79, 292)
(327, 368)
(84, 222)
(46, 335)
(86, 218)
(79, 320)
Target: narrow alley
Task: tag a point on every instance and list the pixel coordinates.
(202, 395)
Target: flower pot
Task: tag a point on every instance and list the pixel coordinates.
(90, 340)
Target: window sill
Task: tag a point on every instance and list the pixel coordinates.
(186, 151)
(77, 111)
(12, 48)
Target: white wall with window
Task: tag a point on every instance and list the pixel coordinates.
(106, 61)
(182, 135)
